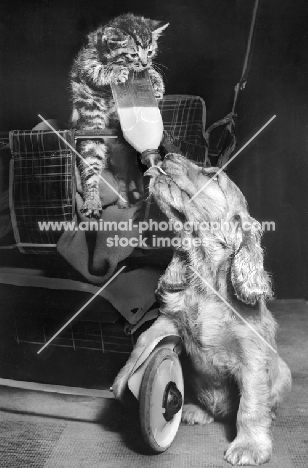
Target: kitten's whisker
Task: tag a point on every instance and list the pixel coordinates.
(162, 65)
(156, 67)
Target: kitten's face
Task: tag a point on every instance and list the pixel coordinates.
(139, 57)
(132, 41)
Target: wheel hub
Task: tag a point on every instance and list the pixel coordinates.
(172, 401)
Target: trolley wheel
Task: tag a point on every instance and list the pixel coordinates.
(161, 400)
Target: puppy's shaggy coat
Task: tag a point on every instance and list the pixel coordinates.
(227, 366)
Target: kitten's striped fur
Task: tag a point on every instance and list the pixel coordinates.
(126, 43)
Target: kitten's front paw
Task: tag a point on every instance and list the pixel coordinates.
(159, 95)
(158, 91)
(122, 75)
(92, 208)
(123, 204)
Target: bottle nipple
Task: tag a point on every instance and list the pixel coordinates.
(150, 157)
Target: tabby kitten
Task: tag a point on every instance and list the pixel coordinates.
(126, 43)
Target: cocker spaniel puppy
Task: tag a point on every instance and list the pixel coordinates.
(213, 295)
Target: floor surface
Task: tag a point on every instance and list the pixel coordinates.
(113, 442)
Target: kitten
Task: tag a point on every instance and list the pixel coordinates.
(126, 43)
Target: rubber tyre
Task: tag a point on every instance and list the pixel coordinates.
(163, 367)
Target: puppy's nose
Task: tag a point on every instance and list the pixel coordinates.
(151, 172)
(154, 171)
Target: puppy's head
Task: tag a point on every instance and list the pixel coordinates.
(216, 212)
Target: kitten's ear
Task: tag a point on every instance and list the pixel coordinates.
(95, 37)
(158, 31)
(115, 36)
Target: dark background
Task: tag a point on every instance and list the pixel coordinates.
(203, 49)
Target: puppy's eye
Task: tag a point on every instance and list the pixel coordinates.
(211, 175)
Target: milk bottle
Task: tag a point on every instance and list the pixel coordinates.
(139, 116)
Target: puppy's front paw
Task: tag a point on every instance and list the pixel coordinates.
(244, 451)
(193, 414)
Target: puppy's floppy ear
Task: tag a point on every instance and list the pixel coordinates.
(249, 279)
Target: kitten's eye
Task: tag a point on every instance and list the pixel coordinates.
(150, 52)
(134, 55)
